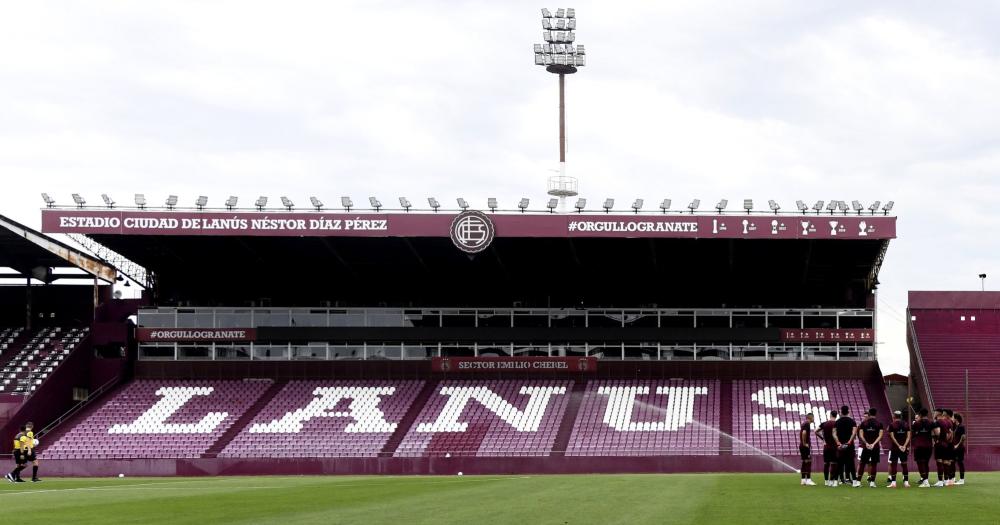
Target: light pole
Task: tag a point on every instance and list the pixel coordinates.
(559, 55)
(982, 281)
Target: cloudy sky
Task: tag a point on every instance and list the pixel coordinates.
(685, 99)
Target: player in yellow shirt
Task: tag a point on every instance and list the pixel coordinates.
(28, 446)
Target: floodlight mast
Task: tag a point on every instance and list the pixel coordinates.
(560, 56)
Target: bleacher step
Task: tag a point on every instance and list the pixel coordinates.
(244, 420)
(411, 415)
(569, 418)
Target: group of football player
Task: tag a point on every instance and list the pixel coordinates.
(943, 437)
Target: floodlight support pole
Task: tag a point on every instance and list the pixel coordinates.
(562, 120)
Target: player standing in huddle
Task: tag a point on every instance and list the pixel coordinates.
(922, 445)
(960, 439)
(943, 450)
(899, 439)
(826, 432)
(846, 431)
(870, 431)
(805, 449)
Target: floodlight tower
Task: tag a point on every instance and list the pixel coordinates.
(562, 57)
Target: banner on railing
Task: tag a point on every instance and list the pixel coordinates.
(207, 335)
(515, 364)
(828, 335)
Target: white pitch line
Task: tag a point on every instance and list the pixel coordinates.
(6, 492)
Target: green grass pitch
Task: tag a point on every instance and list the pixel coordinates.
(479, 500)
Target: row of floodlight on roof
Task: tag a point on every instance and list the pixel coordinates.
(568, 12)
(492, 203)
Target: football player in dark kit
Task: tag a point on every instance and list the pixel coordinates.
(922, 443)
(826, 432)
(805, 450)
(960, 439)
(846, 430)
(870, 431)
(943, 450)
(899, 447)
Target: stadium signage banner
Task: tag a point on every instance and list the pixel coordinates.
(828, 335)
(514, 364)
(471, 230)
(171, 335)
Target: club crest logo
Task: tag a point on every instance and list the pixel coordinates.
(472, 231)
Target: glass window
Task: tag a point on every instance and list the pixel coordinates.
(270, 352)
(568, 319)
(643, 351)
(420, 318)
(233, 319)
(384, 351)
(308, 317)
(232, 352)
(195, 319)
(199, 352)
(386, 317)
(347, 352)
(347, 318)
(310, 351)
(494, 350)
(457, 350)
(271, 318)
(713, 353)
(419, 351)
(162, 351)
(531, 318)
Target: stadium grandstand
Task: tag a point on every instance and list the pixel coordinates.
(436, 341)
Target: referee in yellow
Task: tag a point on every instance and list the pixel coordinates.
(14, 476)
(30, 442)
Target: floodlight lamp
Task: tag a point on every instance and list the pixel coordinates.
(80, 202)
(818, 206)
(694, 205)
(857, 207)
(874, 207)
(637, 205)
(560, 13)
(843, 206)
(492, 203)
(608, 204)
(580, 205)
(108, 201)
(546, 23)
(405, 203)
(546, 13)
(538, 48)
(261, 203)
(522, 204)
(774, 206)
(200, 202)
(539, 59)
(49, 201)
(434, 203)
(346, 203)
(140, 201)
(287, 203)
(552, 205)
(580, 60)
(801, 206)
(571, 24)
(722, 204)
(375, 203)
(665, 205)
(462, 203)
(171, 202)
(888, 207)
(231, 202)
(580, 50)
(316, 203)
(570, 12)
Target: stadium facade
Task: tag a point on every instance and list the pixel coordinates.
(281, 341)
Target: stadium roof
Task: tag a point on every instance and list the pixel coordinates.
(945, 300)
(537, 260)
(32, 254)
